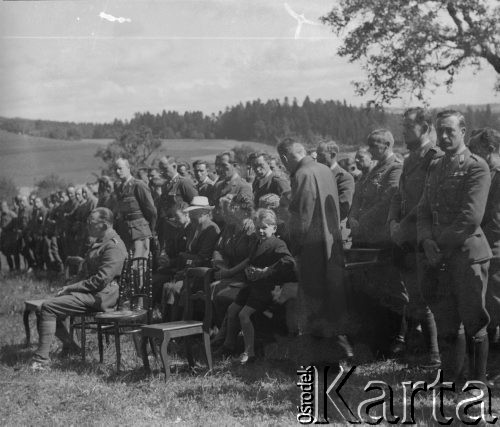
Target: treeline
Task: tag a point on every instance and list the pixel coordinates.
(252, 121)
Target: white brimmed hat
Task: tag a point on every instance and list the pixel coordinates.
(199, 202)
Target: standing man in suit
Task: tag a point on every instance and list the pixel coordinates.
(204, 184)
(420, 136)
(457, 253)
(486, 144)
(317, 242)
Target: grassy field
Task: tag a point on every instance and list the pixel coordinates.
(26, 159)
(76, 393)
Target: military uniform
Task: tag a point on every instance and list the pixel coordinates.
(23, 239)
(8, 239)
(450, 214)
(136, 211)
(270, 184)
(404, 211)
(345, 187)
(491, 227)
(97, 292)
(371, 204)
(37, 230)
(241, 189)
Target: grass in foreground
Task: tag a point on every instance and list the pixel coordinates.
(76, 393)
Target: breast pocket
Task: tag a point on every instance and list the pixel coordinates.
(452, 190)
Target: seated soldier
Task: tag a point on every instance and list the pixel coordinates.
(200, 245)
(97, 292)
(270, 263)
(173, 245)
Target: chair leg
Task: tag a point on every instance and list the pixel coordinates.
(164, 355)
(137, 344)
(208, 351)
(83, 337)
(26, 321)
(117, 346)
(144, 348)
(189, 353)
(99, 342)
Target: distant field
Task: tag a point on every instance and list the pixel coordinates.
(26, 159)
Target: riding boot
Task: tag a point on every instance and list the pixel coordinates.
(429, 332)
(46, 332)
(452, 357)
(477, 349)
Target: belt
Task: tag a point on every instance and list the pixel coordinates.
(133, 216)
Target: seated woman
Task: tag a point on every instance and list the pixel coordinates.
(200, 245)
(98, 292)
(173, 245)
(269, 264)
(234, 245)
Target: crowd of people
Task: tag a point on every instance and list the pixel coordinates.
(432, 217)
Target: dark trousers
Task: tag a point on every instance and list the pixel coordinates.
(493, 293)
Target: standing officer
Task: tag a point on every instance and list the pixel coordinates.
(229, 182)
(136, 210)
(449, 217)
(369, 229)
(419, 135)
(265, 182)
(175, 189)
(486, 143)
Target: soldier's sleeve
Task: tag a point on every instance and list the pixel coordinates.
(345, 185)
(492, 225)
(471, 209)
(146, 204)
(111, 263)
(391, 185)
(424, 215)
(283, 270)
(302, 209)
(395, 209)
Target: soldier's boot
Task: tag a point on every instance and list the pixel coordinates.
(453, 350)
(477, 349)
(69, 344)
(46, 332)
(429, 332)
(398, 346)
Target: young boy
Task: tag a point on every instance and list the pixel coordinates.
(269, 263)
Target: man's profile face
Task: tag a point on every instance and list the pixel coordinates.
(323, 156)
(412, 131)
(450, 135)
(182, 170)
(363, 161)
(181, 218)
(122, 169)
(200, 172)
(260, 167)
(71, 193)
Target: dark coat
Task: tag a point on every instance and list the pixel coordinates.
(316, 239)
(491, 219)
(206, 189)
(411, 186)
(372, 201)
(176, 190)
(200, 245)
(452, 206)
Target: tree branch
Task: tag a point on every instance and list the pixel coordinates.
(453, 13)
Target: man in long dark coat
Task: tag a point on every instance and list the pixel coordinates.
(317, 242)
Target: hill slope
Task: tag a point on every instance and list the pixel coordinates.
(26, 159)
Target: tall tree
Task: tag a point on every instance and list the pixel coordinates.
(414, 45)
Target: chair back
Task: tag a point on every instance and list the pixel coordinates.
(205, 274)
(136, 289)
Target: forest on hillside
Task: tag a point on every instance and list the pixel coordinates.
(252, 121)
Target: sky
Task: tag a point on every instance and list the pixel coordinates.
(61, 61)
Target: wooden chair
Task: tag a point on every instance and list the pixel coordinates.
(164, 332)
(87, 322)
(134, 306)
